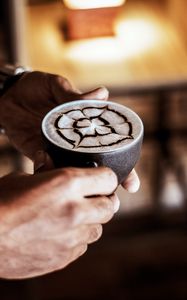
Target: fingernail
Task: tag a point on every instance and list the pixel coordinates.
(100, 93)
(132, 186)
(39, 161)
(103, 93)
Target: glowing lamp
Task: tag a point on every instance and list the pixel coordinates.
(87, 19)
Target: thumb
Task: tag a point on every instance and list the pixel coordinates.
(42, 162)
(100, 93)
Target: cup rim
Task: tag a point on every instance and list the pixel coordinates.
(70, 103)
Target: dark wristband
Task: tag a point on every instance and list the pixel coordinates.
(10, 81)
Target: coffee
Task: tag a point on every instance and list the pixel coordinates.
(91, 126)
(89, 133)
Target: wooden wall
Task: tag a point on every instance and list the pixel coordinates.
(178, 13)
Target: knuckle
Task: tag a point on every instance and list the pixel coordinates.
(73, 178)
(65, 176)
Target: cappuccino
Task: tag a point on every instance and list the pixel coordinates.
(91, 126)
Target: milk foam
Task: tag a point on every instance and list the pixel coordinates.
(91, 126)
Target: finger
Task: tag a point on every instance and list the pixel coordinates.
(95, 233)
(116, 202)
(100, 93)
(77, 252)
(42, 162)
(66, 257)
(132, 182)
(91, 181)
(84, 234)
(61, 89)
(89, 234)
(96, 210)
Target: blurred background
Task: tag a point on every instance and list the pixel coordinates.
(138, 50)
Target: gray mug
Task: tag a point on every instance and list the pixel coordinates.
(92, 133)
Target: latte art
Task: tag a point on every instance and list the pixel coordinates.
(93, 127)
(90, 126)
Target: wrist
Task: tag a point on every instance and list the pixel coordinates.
(9, 75)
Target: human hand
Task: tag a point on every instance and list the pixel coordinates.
(44, 163)
(25, 104)
(48, 219)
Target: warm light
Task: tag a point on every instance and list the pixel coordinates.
(137, 35)
(98, 50)
(86, 4)
(133, 37)
(172, 194)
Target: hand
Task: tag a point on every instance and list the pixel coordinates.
(25, 104)
(43, 163)
(48, 219)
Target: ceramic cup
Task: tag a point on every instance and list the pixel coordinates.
(92, 133)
